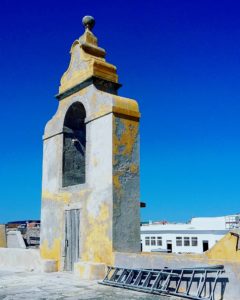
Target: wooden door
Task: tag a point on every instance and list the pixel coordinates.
(72, 223)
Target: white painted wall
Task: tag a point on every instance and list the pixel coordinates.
(211, 238)
(20, 259)
(205, 229)
(15, 240)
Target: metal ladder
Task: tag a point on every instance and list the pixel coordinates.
(192, 283)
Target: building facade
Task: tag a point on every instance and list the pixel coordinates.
(197, 236)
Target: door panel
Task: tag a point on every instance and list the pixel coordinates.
(72, 223)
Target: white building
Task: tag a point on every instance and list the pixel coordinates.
(197, 236)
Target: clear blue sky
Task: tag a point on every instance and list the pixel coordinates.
(179, 59)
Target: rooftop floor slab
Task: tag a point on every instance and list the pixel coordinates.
(62, 285)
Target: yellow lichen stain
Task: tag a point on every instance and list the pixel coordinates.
(104, 212)
(85, 63)
(83, 193)
(80, 270)
(170, 257)
(82, 92)
(95, 162)
(90, 270)
(98, 244)
(123, 146)
(64, 103)
(116, 181)
(128, 136)
(134, 168)
(53, 252)
(93, 100)
(225, 249)
(101, 110)
(62, 197)
(125, 104)
(3, 242)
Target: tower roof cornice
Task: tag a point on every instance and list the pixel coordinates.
(87, 60)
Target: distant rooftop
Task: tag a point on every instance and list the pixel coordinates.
(199, 223)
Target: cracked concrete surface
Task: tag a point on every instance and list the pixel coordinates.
(20, 285)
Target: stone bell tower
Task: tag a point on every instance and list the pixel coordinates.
(90, 183)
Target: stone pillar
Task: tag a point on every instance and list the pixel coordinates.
(90, 166)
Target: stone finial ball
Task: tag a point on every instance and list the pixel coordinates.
(88, 22)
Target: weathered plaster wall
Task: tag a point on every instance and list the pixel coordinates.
(126, 219)
(53, 202)
(94, 198)
(156, 261)
(20, 259)
(224, 253)
(105, 210)
(3, 242)
(96, 232)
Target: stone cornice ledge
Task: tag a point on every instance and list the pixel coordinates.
(99, 83)
(124, 113)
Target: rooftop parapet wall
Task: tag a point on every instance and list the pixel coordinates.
(226, 252)
(228, 287)
(20, 260)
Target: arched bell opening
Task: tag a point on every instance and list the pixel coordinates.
(74, 146)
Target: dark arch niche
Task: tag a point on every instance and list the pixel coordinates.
(74, 145)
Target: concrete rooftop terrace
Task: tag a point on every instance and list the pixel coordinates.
(62, 285)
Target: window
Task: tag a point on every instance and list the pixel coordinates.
(153, 241)
(186, 241)
(194, 241)
(178, 241)
(147, 240)
(74, 145)
(159, 241)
